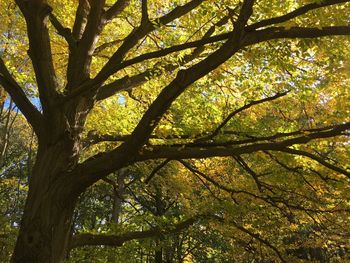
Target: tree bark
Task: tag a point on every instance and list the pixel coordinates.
(46, 223)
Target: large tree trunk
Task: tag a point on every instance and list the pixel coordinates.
(46, 223)
(44, 234)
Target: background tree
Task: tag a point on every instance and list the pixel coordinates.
(254, 88)
(17, 154)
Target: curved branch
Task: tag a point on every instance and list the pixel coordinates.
(65, 32)
(106, 45)
(253, 37)
(250, 38)
(130, 41)
(116, 9)
(156, 170)
(118, 240)
(94, 138)
(259, 238)
(317, 159)
(235, 112)
(129, 152)
(194, 170)
(128, 83)
(29, 111)
(184, 78)
(113, 64)
(184, 152)
(297, 12)
(250, 171)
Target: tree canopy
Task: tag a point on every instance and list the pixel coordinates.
(174, 131)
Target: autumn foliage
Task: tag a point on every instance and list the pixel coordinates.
(174, 131)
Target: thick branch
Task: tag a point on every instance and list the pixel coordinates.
(185, 78)
(103, 164)
(129, 83)
(93, 169)
(250, 39)
(139, 33)
(179, 11)
(98, 166)
(118, 240)
(183, 152)
(133, 38)
(116, 9)
(300, 11)
(93, 138)
(144, 11)
(36, 15)
(80, 19)
(19, 97)
(78, 69)
(123, 84)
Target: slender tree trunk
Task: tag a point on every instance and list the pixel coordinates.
(118, 195)
(158, 256)
(46, 223)
(6, 136)
(158, 253)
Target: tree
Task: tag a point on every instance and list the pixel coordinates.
(17, 143)
(162, 53)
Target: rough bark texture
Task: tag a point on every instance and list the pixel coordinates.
(46, 223)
